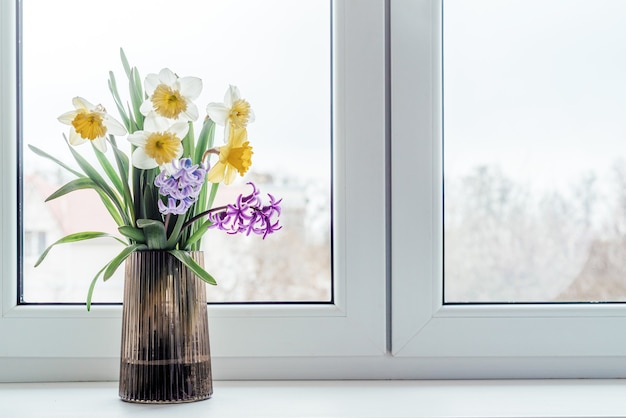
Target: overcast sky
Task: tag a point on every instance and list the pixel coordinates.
(535, 86)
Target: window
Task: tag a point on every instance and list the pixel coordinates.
(366, 332)
(533, 151)
(466, 340)
(291, 73)
(248, 341)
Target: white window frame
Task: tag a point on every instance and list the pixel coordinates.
(466, 341)
(39, 343)
(350, 338)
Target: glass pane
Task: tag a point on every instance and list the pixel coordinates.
(277, 52)
(534, 150)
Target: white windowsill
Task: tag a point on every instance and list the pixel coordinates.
(249, 399)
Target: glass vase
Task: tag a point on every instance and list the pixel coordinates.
(165, 355)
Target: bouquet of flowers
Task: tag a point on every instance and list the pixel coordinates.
(161, 198)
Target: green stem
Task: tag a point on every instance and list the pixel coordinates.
(171, 242)
(201, 215)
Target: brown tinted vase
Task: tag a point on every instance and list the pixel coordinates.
(165, 356)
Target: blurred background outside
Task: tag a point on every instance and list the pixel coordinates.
(534, 150)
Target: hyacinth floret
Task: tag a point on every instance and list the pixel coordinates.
(248, 215)
(181, 184)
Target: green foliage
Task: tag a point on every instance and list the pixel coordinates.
(72, 185)
(154, 231)
(79, 236)
(193, 266)
(129, 194)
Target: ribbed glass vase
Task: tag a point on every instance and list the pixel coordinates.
(165, 356)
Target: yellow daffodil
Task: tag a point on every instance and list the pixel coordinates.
(170, 96)
(234, 112)
(234, 157)
(159, 144)
(90, 123)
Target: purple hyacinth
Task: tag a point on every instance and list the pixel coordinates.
(181, 185)
(249, 215)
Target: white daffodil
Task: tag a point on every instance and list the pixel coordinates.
(90, 123)
(234, 111)
(170, 96)
(159, 144)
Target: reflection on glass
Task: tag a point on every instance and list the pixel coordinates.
(534, 150)
(277, 52)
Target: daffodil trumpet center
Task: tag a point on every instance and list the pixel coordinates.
(168, 102)
(239, 114)
(89, 125)
(239, 157)
(163, 147)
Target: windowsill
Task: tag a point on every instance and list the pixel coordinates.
(249, 399)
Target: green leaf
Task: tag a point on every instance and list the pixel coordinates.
(109, 170)
(111, 208)
(118, 101)
(111, 265)
(133, 233)
(134, 126)
(193, 266)
(60, 163)
(99, 180)
(173, 239)
(154, 231)
(214, 187)
(125, 62)
(188, 141)
(205, 140)
(197, 235)
(123, 167)
(115, 210)
(76, 184)
(79, 236)
(136, 96)
(115, 263)
(150, 195)
(202, 205)
(92, 286)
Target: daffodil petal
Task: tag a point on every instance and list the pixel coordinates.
(191, 112)
(100, 143)
(138, 138)
(67, 117)
(81, 103)
(166, 76)
(230, 175)
(143, 160)
(113, 126)
(75, 138)
(231, 95)
(150, 83)
(218, 112)
(179, 129)
(190, 87)
(146, 107)
(156, 123)
(216, 173)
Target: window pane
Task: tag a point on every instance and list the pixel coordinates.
(534, 150)
(277, 52)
